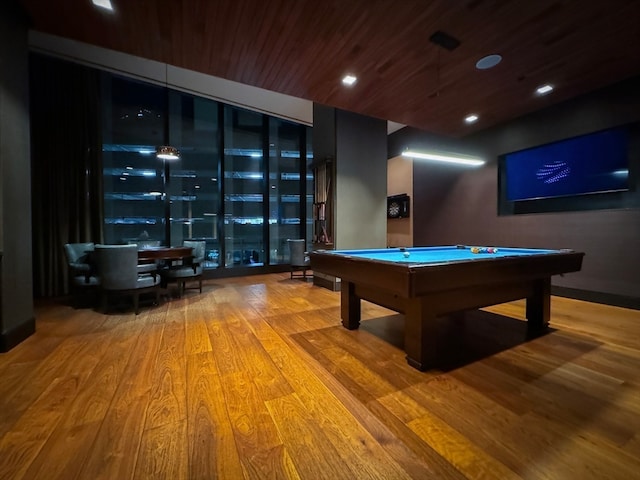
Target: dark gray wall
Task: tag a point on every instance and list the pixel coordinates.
(458, 205)
(358, 145)
(361, 183)
(16, 315)
(324, 132)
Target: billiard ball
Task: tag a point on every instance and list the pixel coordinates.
(484, 250)
(405, 254)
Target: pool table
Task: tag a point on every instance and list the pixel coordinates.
(425, 283)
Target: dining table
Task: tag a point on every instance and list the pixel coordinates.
(166, 254)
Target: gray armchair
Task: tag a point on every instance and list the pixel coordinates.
(82, 275)
(118, 269)
(190, 270)
(299, 258)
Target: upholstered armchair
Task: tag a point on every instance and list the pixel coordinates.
(299, 258)
(118, 269)
(82, 275)
(190, 270)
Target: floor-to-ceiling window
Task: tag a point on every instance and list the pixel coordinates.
(132, 125)
(242, 182)
(192, 186)
(309, 186)
(286, 201)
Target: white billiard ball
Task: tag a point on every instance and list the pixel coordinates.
(405, 254)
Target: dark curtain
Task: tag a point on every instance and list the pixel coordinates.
(66, 162)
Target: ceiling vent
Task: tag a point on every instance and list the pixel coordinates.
(444, 40)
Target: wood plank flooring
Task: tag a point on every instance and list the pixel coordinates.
(256, 378)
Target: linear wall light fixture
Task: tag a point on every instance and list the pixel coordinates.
(437, 157)
(106, 4)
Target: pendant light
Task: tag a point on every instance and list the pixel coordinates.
(167, 152)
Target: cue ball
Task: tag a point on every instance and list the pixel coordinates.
(405, 254)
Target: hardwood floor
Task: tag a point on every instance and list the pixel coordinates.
(256, 378)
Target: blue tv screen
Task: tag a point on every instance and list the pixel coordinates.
(593, 163)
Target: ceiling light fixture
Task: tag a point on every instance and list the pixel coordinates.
(437, 157)
(544, 89)
(106, 4)
(349, 80)
(167, 152)
(471, 118)
(488, 62)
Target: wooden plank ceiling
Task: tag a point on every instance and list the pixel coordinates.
(303, 48)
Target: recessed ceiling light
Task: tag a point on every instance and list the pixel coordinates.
(487, 62)
(349, 80)
(106, 4)
(544, 89)
(471, 118)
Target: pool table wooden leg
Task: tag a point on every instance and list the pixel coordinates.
(350, 310)
(420, 337)
(539, 306)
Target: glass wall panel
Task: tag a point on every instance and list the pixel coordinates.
(238, 177)
(309, 187)
(133, 119)
(244, 175)
(284, 187)
(193, 179)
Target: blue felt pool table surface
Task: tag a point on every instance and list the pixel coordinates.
(425, 255)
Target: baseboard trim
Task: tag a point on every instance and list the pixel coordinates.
(597, 297)
(10, 339)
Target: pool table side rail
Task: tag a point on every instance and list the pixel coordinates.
(487, 272)
(394, 277)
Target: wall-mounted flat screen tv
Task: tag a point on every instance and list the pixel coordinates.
(593, 163)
